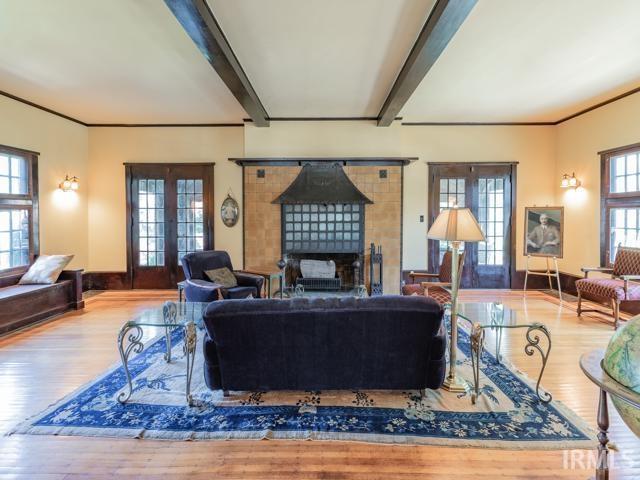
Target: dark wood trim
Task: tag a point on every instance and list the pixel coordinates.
(18, 151)
(477, 164)
(401, 222)
(610, 200)
(321, 119)
(477, 124)
(128, 280)
(612, 151)
(299, 161)
(198, 21)
(163, 125)
(161, 164)
(106, 281)
(40, 107)
(598, 105)
(443, 23)
(514, 221)
(537, 282)
(242, 213)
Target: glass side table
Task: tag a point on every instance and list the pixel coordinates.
(184, 315)
(495, 316)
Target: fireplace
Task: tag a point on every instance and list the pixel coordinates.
(378, 192)
(323, 218)
(348, 267)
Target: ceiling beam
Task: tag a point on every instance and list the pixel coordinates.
(198, 21)
(443, 22)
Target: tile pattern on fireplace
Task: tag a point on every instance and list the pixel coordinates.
(262, 240)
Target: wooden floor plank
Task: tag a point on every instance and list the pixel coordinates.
(40, 365)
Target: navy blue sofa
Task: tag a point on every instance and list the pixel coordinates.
(386, 342)
(198, 287)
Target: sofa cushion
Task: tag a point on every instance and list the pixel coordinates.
(222, 276)
(610, 288)
(15, 290)
(240, 292)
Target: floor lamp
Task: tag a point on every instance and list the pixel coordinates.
(455, 225)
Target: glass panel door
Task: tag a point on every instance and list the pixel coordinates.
(486, 190)
(170, 217)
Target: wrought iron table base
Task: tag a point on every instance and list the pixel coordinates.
(533, 344)
(133, 333)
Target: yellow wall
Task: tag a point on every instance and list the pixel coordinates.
(532, 147)
(91, 224)
(578, 143)
(110, 147)
(63, 147)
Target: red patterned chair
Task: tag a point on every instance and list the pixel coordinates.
(435, 287)
(620, 287)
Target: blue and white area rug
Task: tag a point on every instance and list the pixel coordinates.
(507, 415)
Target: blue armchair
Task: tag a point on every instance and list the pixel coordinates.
(198, 288)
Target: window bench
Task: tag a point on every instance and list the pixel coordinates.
(22, 305)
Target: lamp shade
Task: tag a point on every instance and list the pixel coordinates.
(456, 224)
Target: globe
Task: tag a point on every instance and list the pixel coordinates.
(622, 363)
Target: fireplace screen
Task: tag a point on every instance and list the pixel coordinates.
(320, 228)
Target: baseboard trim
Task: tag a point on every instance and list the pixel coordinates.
(106, 281)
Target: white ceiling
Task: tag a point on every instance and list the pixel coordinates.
(130, 61)
(113, 61)
(523, 60)
(328, 58)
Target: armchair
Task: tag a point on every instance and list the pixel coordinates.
(198, 288)
(621, 286)
(436, 284)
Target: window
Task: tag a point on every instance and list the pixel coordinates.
(151, 224)
(190, 217)
(18, 207)
(491, 219)
(452, 193)
(620, 201)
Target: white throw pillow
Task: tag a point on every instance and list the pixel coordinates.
(46, 269)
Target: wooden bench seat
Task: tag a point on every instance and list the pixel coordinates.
(22, 305)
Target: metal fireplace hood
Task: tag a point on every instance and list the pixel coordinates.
(319, 183)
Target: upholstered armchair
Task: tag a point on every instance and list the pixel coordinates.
(621, 286)
(198, 287)
(434, 285)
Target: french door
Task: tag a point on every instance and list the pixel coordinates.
(169, 207)
(487, 189)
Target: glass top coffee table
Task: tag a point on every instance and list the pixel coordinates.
(184, 315)
(483, 316)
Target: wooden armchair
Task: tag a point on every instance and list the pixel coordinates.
(436, 283)
(621, 286)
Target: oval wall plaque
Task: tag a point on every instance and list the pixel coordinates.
(229, 211)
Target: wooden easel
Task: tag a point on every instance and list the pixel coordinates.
(548, 273)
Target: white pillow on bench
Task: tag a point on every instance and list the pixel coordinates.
(45, 270)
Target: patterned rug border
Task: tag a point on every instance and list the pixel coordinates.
(27, 427)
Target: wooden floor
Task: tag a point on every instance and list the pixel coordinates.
(39, 366)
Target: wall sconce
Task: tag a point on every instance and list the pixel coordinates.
(570, 181)
(69, 184)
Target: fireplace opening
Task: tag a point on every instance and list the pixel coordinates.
(347, 271)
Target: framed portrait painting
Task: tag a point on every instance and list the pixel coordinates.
(543, 231)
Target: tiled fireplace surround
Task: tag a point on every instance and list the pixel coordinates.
(383, 218)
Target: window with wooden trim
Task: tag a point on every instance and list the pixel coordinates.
(620, 201)
(18, 207)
